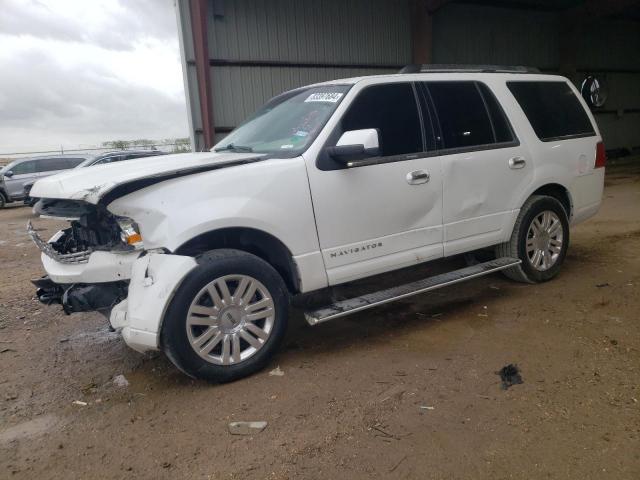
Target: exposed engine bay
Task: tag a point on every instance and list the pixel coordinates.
(92, 228)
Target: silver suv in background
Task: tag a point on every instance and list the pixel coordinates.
(102, 159)
(16, 174)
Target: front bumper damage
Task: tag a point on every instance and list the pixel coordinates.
(76, 298)
(133, 290)
(154, 280)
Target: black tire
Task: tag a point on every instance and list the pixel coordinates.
(3, 200)
(213, 265)
(516, 246)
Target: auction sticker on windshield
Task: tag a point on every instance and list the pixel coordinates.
(331, 97)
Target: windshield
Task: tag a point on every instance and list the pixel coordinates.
(288, 123)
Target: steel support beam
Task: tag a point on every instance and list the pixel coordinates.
(201, 58)
(422, 12)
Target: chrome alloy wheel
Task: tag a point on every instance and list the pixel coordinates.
(544, 240)
(230, 319)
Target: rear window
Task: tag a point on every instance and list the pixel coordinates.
(552, 109)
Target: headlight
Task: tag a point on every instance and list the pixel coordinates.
(130, 232)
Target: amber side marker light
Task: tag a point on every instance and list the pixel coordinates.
(134, 238)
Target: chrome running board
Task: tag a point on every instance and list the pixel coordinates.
(370, 300)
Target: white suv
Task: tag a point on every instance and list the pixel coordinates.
(199, 254)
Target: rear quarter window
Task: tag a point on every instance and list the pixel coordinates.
(552, 109)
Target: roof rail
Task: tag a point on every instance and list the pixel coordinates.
(437, 68)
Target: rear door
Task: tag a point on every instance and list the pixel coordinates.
(386, 213)
(484, 164)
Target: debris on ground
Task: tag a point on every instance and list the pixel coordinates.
(80, 402)
(246, 428)
(89, 388)
(601, 285)
(427, 407)
(510, 375)
(120, 381)
(276, 372)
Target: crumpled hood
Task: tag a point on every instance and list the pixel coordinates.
(90, 184)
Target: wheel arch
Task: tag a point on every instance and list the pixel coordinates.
(250, 240)
(557, 191)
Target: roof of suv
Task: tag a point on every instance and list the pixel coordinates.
(451, 72)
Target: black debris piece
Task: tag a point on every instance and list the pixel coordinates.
(510, 375)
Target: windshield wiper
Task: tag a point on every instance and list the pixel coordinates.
(234, 148)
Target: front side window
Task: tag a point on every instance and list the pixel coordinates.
(464, 119)
(552, 109)
(392, 109)
(287, 124)
(24, 168)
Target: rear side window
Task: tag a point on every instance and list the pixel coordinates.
(552, 109)
(469, 115)
(51, 164)
(73, 162)
(392, 109)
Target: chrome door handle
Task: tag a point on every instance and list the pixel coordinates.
(417, 176)
(517, 162)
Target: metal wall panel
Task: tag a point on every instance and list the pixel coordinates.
(612, 45)
(356, 32)
(465, 33)
(331, 31)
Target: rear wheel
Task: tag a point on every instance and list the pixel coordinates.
(227, 318)
(540, 239)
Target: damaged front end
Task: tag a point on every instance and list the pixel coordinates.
(76, 298)
(93, 228)
(96, 247)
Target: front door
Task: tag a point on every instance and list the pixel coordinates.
(387, 214)
(22, 173)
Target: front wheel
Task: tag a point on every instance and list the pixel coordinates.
(540, 239)
(227, 318)
(3, 200)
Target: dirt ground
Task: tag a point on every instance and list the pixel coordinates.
(404, 391)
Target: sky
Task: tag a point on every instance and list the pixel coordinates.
(80, 72)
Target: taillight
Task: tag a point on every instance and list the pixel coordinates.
(601, 155)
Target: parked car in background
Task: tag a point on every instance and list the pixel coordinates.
(101, 159)
(119, 156)
(16, 174)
